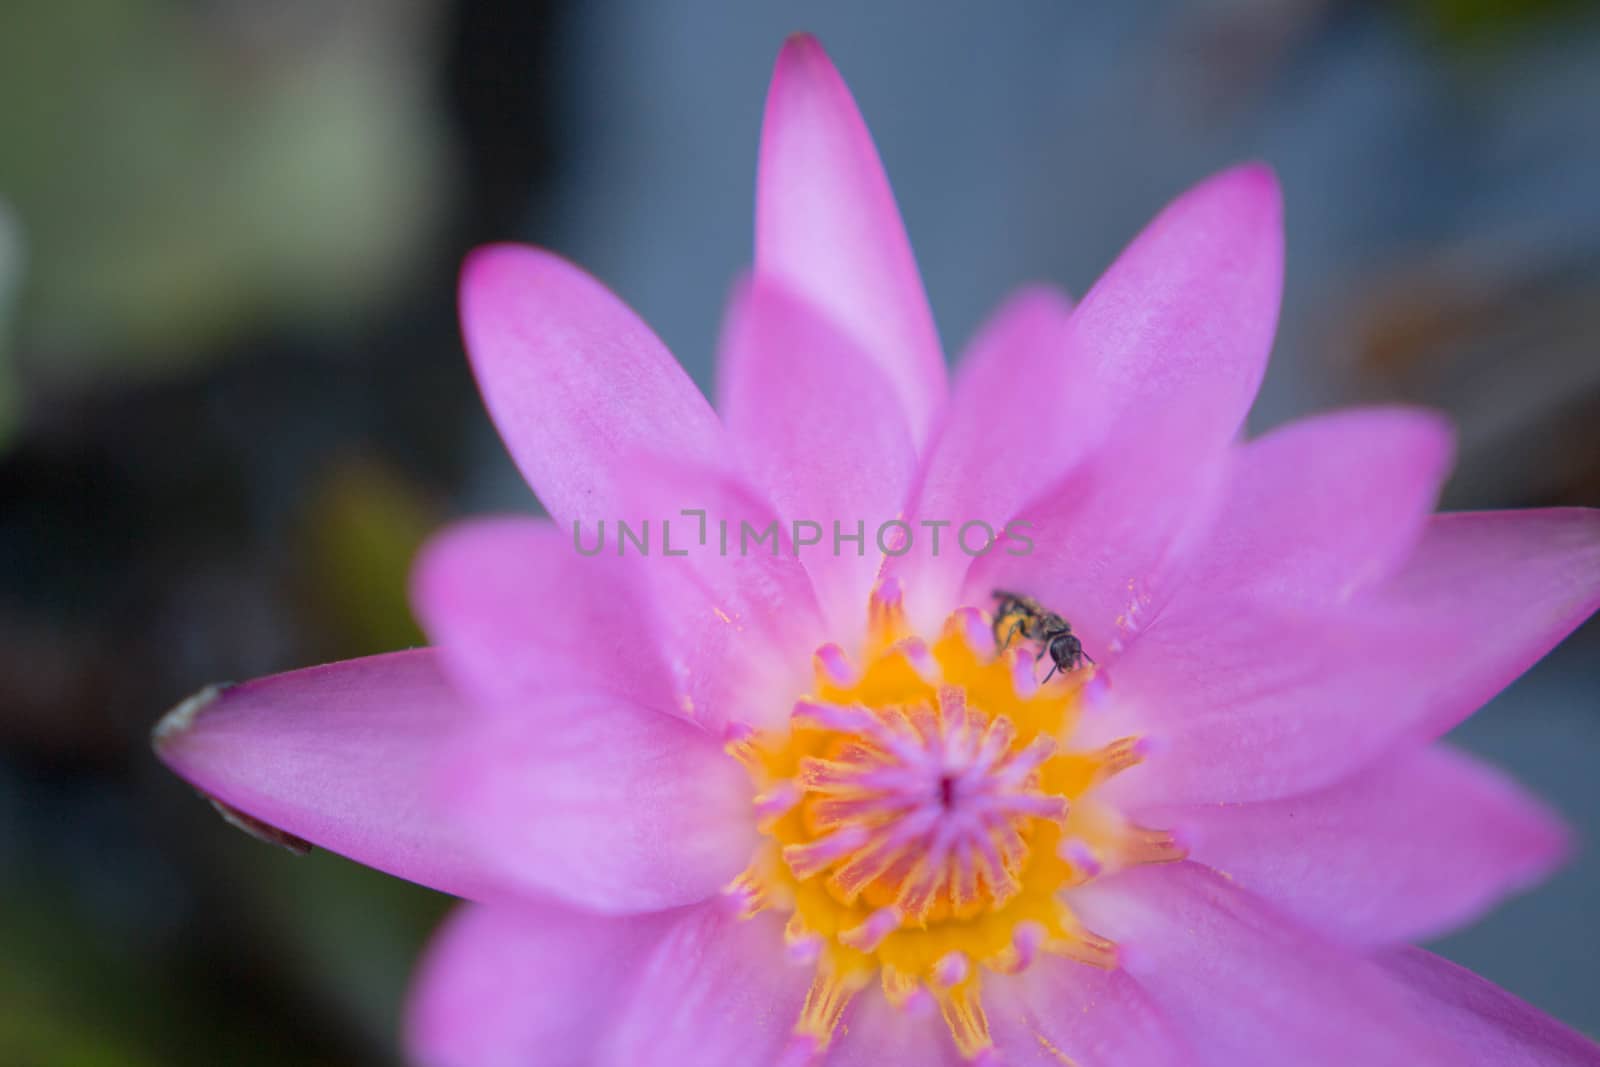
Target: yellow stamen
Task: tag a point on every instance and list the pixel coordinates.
(963, 1014)
(825, 1003)
(924, 810)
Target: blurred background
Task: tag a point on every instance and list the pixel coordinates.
(233, 399)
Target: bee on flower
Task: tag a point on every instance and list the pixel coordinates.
(1021, 616)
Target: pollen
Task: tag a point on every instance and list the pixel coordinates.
(923, 812)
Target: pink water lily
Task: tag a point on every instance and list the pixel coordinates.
(721, 807)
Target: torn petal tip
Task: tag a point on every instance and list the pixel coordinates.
(261, 831)
(180, 719)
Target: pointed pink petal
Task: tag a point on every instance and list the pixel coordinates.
(517, 613)
(1243, 985)
(576, 384)
(716, 992)
(828, 228)
(1266, 703)
(605, 805)
(817, 425)
(1014, 375)
(1493, 1028)
(341, 755)
(509, 987)
(1489, 594)
(1173, 339)
(1060, 1011)
(1321, 508)
(1168, 349)
(1406, 850)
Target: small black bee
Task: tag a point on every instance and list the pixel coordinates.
(1023, 616)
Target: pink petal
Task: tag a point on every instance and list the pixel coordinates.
(1279, 700)
(876, 1033)
(1243, 985)
(510, 987)
(576, 384)
(608, 806)
(1493, 1028)
(1321, 508)
(1060, 1011)
(1167, 350)
(1106, 548)
(1489, 594)
(340, 755)
(517, 613)
(736, 616)
(1174, 337)
(819, 427)
(1249, 706)
(1014, 375)
(716, 992)
(1422, 842)
(827, 227)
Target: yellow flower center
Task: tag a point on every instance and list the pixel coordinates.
(922, 816)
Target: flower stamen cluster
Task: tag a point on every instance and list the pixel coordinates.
(922, 816)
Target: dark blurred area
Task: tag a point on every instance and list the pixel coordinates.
(233, 400)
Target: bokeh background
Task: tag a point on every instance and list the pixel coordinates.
(233, 399)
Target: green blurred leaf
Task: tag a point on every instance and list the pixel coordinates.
(362, 527)
(31, 1033)
(355, 933)
(182, 176)
(1489, 22)
(74, 993)
(10, 278)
